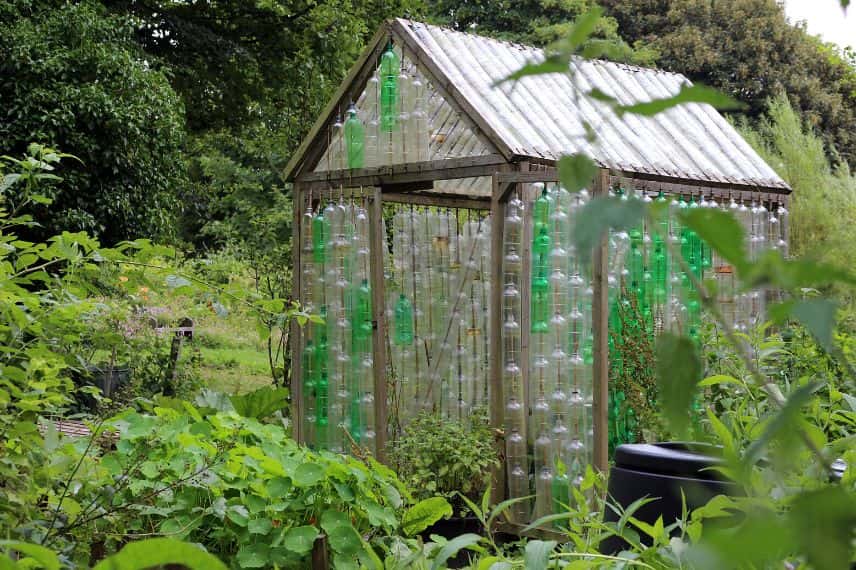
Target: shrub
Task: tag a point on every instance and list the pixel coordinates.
(438, 456)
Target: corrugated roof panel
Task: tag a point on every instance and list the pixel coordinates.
(543, 116)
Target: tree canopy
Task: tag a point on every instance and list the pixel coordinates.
(74, 78)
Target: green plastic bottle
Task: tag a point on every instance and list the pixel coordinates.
(540, 305)
(362, 321)
(320, 237)
(403, 321)
(355, 139)
(541, 214)
(389, 70)
(541, 253)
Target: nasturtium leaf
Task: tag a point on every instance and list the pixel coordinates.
(307, 474)
(576, 172)
(259, 526)
(300, 539)
(278, 487)
(679, 371)
(238, 514)
(331, 519)
(537, 554)
(425, 513)
(344, 539)
(687, 94)
(254, 556)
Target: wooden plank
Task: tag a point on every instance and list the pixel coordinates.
(482, 165)
(437, 199)
(297, 410)
(377, 247)
(600, 324)
(549, 175)
(446, 88)
(734, 186)
(497, 394)
(312, 147)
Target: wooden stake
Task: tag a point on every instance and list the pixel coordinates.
(297, 411)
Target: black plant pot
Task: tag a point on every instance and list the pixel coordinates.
(449, 529)
(664, 471)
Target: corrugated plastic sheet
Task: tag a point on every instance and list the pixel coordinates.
(544, 116)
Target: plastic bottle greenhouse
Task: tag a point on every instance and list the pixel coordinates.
(433, 237)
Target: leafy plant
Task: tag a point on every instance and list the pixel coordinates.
(438, 456)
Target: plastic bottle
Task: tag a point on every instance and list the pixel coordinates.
(355, 139)
(389, 70)
(403, 321)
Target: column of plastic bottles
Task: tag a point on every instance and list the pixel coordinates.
(337, 355)
(517, 463)
(560, 345)
(438, 307)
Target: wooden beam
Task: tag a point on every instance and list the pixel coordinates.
(377, 249)
(549, 175)
(437, 199)
(312, 148)
(600, 324)
(447, 88)
(497, 394)
(467, 167)
(734, 186)
(297, 205)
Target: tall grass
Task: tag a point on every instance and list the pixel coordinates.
(823, 203)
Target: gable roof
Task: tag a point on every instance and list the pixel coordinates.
(544, 117)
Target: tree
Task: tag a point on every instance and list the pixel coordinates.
(748, 49)
(532, 22)
(74, 78)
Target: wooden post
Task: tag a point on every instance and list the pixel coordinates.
(600, 324)
(297, 411)
(497, 394)
(525, 299)
(377, 250)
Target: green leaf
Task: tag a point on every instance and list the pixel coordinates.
(824, 522)
(156, 552)
(454, 546)
(721, 231)
(44, 556)
(425, 513)
(260, 403)
(254, 556)
(599, 95)
(784, 425)
(576, 172)
(307, 474)
(537, 555)
(345, 539)
(259, 526)
(818, 316)
(679, 370)
(552, 64)
(718, 379)
(582, 29)
(598, 216)
(687, 94)
(300, 539)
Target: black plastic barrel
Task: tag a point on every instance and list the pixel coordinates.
(662, 471)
